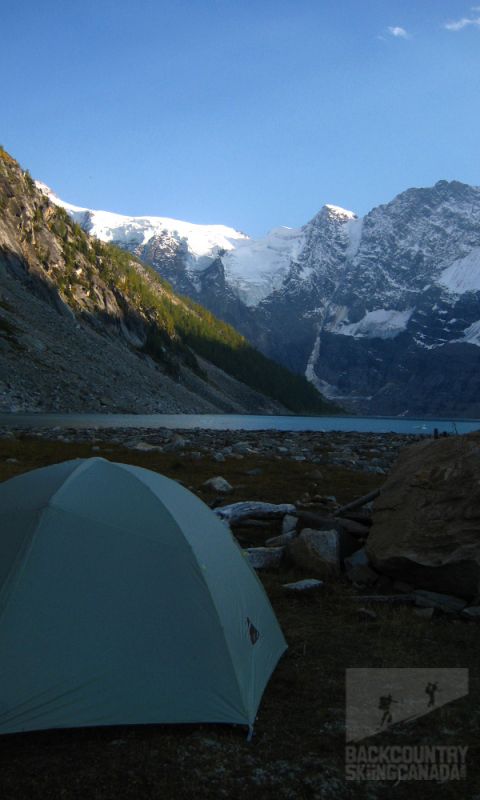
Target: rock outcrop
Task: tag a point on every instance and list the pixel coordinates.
(85, 326)
(426, 526)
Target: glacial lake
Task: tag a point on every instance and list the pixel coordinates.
(247, 422)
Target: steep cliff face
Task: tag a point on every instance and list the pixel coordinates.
(381, 313)
(86, 326)
(400, 333)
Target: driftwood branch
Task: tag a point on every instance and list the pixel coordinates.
(237, 512)
(361, 501)
(332, 523)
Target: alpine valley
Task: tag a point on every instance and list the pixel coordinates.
(86, 326)
(382, 314)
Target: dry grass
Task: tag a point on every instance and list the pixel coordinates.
(298, 749)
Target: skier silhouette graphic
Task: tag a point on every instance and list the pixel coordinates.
(431, 689)
(384, 705)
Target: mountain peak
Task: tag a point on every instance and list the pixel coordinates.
(331, 213)
(339, 212)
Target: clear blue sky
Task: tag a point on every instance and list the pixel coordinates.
(253, 113)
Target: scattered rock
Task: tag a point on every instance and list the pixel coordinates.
(265, 557)
(359, 558)
(218, 484)
(443, 602)
(315, 475)
(177, 443)
(241, 448)
(289, 523)
(281, 540)
(472, 612)
(316, 551)
(367, 615)
(141, 446)
(302, 587)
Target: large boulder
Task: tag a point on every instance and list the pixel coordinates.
(426, 523)
(316, 551)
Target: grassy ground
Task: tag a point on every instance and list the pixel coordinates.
(299, 743)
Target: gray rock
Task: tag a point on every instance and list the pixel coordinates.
(316, 551)
(367, 615)
(443, 602)
(265, 557)
(426, 520)
(359, 558)
(302, 587)
(241, 448)
(178, 443)
(144, 447)
(472, 612)
(218, 484)
(281, 540)
(289, 523)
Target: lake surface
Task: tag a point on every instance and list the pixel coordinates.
(245, 422)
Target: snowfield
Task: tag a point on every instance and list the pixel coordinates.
(463, 275)
(381, 324)
(201, 240)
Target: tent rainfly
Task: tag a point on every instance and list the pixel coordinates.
(125, 600)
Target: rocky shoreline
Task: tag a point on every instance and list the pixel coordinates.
(365, 452)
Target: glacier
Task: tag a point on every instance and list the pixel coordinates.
(381, 310)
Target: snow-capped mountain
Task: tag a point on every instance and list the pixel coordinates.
(381, 313)
(199, 241)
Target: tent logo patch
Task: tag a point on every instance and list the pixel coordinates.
(252, 631)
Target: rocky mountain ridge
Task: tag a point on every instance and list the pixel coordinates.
(85, 326)
(380, 313)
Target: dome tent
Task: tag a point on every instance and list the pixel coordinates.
(125, 600)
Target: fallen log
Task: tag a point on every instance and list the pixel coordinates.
(361, 501)
(332, 523)
(250, 509)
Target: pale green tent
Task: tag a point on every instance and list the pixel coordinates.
(125, 600)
